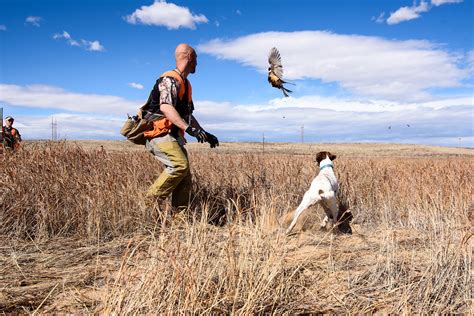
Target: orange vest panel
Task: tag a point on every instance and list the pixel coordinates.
(163, 125)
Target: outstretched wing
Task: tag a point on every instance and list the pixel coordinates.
(274, 59)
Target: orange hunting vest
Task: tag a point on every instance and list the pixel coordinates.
(163, 125)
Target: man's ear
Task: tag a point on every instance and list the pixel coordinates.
(332, 157)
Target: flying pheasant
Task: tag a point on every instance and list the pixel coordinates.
(275, 71)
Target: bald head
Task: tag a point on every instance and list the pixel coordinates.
(182, 50)
(186, 58)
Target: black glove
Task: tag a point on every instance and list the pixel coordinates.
(212, 140)
(199, 133)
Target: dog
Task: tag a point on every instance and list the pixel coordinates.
(323, 190)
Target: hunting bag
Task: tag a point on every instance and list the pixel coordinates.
(134, 129)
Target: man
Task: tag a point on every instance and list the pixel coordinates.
(171, 101)
(10, 135)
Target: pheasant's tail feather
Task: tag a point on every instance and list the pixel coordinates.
(285, 91)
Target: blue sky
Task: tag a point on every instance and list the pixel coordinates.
(364, 71)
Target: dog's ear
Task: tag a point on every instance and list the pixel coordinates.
(332, 157)
(320, 156)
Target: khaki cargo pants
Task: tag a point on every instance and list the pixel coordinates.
(176, 178)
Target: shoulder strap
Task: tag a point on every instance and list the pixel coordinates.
(184, 85)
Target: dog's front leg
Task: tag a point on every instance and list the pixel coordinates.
(308, 200)
(328, 213)
(324, 223)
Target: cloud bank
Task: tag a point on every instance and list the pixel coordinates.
(50, 97)
(447, 121)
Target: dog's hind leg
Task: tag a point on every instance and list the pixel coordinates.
(308, 200)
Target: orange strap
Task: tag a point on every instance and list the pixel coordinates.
(182, 85)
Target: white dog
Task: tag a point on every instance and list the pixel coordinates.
(323, 190)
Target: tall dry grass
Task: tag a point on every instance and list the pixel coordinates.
(410, 251)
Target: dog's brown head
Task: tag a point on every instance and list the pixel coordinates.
(322, 155)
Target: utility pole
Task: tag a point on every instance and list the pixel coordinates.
(302, 133)
(54, 129)
(1, 131)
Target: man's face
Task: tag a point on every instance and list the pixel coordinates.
(9, 123)
(192, 62)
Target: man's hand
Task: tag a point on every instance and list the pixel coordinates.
(199, 133)
(212, 140)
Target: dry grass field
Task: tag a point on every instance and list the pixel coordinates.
(77, 237)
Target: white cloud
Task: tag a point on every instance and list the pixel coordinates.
(470, 61)
(3, 27)
(170, 15)
(365, 65)
(238, 12)
(380, 18)
(408, 13)
(413, 12)
(136, 85)
(33, 20)
(64, 34)
(440, 2)
(94, 46)
(50, 97)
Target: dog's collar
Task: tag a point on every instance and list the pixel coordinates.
(325, 166)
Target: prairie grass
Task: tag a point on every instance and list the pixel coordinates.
(77, 235)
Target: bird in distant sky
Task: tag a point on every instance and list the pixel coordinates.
(275, 71)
